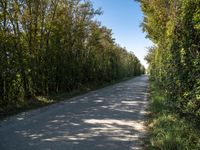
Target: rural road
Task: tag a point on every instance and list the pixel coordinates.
(111, 118)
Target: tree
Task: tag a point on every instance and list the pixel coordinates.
(54, 46)
(174, 60)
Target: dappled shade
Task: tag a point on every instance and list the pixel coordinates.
(110, 118)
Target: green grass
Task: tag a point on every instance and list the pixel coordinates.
(168, 131)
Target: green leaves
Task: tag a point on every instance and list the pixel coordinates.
(51, 46)
(174, 62)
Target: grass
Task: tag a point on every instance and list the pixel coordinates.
(167, 130)
(41, 101)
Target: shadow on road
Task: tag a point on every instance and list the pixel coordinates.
(108, 119)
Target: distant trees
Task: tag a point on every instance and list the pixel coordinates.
(174, 27)
(49, 46)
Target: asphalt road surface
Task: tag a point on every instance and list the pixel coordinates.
(111, 118)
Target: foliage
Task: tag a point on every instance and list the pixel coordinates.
(174, 60)
(168, 131)
(54, 46)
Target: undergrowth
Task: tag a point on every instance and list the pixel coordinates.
(168, 131)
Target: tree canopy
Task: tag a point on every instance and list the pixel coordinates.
(54, 46)
(174, 27)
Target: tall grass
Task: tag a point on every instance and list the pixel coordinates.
(168, 131)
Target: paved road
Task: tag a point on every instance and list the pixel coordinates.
(107, 119)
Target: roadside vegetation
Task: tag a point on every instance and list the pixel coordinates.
(174, 66)
(39, 101)
(167, 129)
(48, 47)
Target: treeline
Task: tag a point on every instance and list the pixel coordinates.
(174, 27)
(54, 46)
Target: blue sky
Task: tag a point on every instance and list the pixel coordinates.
(124, 18)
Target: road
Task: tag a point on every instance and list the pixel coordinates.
(111, 118)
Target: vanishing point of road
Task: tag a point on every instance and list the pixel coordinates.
(111, 118)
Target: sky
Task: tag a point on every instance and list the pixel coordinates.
(124, 18)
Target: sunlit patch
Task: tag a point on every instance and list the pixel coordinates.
(54, 121)
(127, 137)
(66, 138)
(138, 97)
(20, 118)
(99, 101)
(27, 134)
(143, 112)
(134, 124)
(74, 124)
(35, 136)
(130, 102)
